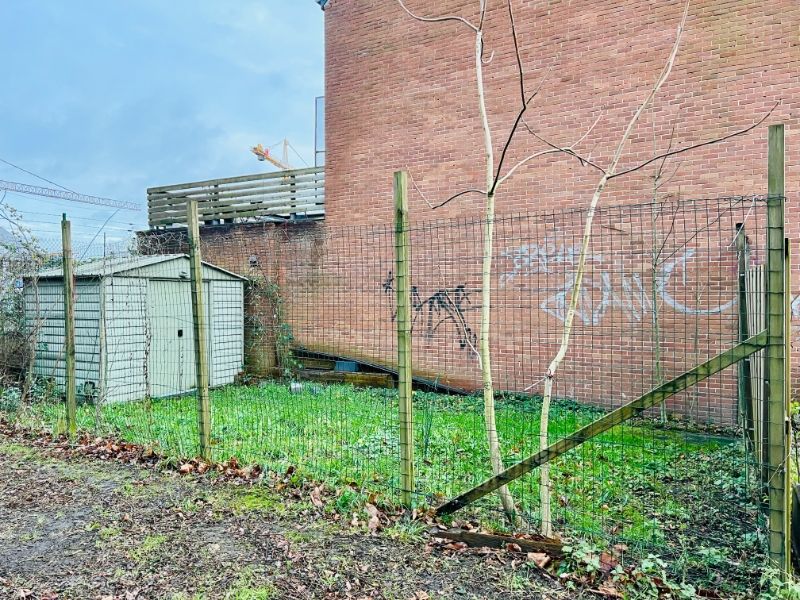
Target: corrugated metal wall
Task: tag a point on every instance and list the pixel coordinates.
(44, 305)
(126, 331)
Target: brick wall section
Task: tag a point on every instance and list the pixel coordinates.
(401, 95)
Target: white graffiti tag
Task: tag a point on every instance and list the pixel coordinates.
(662, 282)
(599, 294)
(530, 259)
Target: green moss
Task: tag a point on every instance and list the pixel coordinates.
(107, 533)
(148, 548)
(258, 500)
(249, 585)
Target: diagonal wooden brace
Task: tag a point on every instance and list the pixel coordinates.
(615, 417)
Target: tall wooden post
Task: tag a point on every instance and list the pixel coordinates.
(787, 406)
(404, 379)
(775, 384)
(744, 378)
(199, 321)
(69, 324)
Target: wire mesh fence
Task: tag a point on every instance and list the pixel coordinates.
(302, 354)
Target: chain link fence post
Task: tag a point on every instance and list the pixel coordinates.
(199, 323)
(404, 364)
(69, 324)
(776, 387)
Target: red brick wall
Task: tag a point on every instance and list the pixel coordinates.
(401, 95)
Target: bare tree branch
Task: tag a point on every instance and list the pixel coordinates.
(527, 160)
(520, 70)
(483, 5)
(718, 140)
(458, 195)
(450, 199)
(583, 159)
(525, 101)
(525, 105)
(442, 18)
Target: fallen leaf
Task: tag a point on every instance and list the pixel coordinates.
(540, 559)
(374, 517)
(609, 591)
(607, 562)
(316, 498)
(457, 546)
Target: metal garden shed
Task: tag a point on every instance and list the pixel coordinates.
(134, 336)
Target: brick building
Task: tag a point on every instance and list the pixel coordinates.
(401, 94)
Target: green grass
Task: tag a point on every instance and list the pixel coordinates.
(633, 483)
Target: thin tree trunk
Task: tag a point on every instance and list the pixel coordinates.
(489, 416)
(544, 489)
(659, 370)
(609, 173)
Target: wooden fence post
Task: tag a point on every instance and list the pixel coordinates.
(69, 324)
(787, 407)
(199, 322)
(404, 365)
(775, 384)
(745, 374)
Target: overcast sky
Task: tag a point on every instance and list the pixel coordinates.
(108, 98)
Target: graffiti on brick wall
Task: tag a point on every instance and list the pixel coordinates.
(439, 311)
(605, 287)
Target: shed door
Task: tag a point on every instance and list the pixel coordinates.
(171, 363)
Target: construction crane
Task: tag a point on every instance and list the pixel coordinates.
(263, 154)
(35, 190)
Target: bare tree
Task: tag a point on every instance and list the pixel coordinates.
(20, 256)
(497, 173)
(494, 178)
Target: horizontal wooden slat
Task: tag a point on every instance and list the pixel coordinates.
(222, 193)
(210, 207)
(283, 193)
(216, 212)
(239, 179)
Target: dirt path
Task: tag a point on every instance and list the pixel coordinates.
(83, 528)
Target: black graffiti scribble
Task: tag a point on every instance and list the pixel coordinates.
(443, 307)
(388, 284)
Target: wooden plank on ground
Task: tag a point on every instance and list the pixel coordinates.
(382, 380)
(490, 540)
